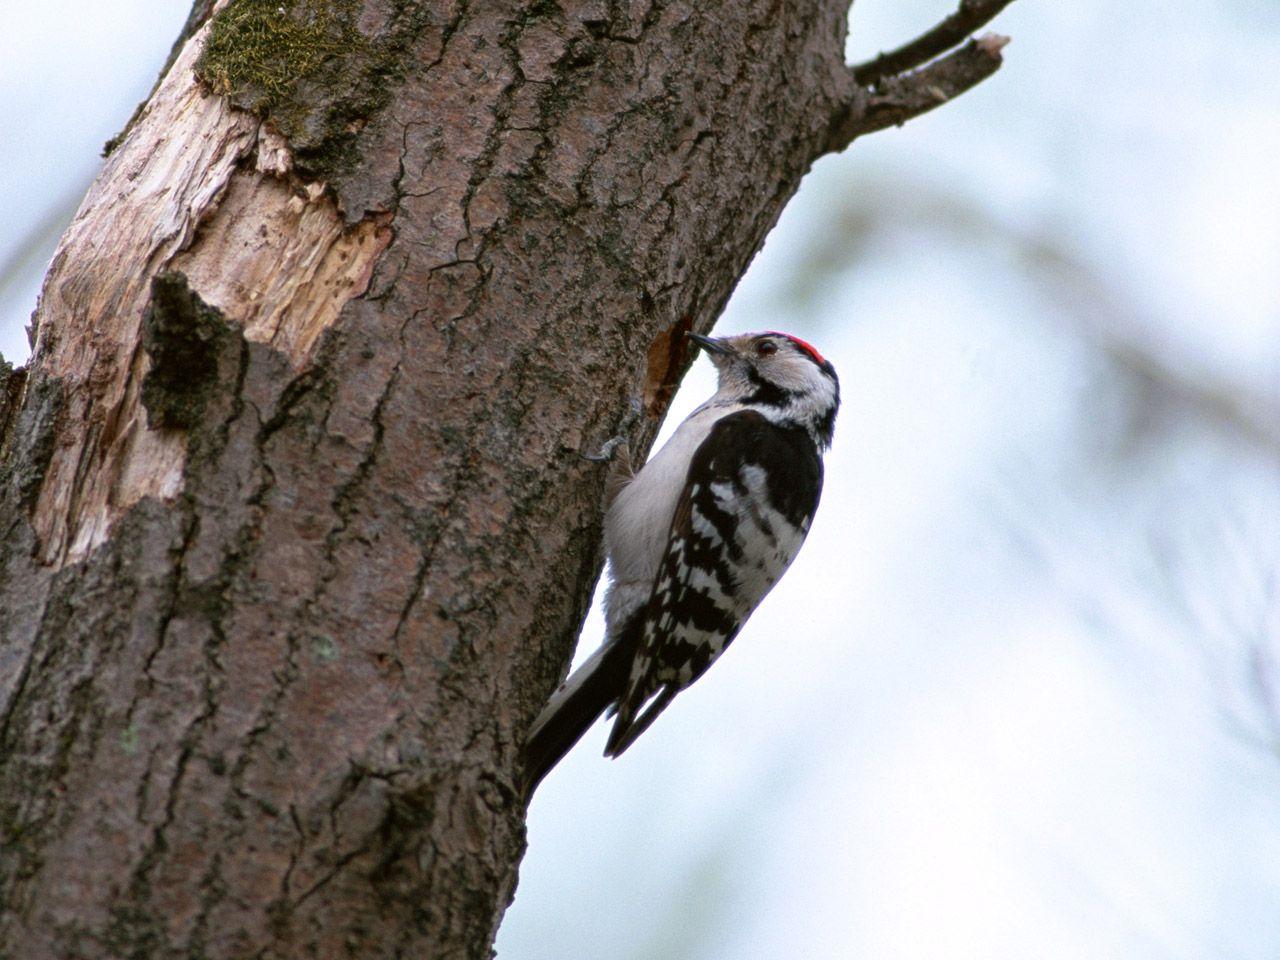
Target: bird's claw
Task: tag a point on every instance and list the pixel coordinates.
(606, 451)
(610, 447)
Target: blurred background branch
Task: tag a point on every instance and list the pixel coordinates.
(1100, 310)
(24, 257)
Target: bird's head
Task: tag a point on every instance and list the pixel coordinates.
(783, 375)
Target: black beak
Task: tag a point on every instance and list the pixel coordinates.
(710, 344)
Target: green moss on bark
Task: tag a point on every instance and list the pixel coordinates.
(264, 48)
(306, 66)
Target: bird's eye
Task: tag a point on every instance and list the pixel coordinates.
(766, 347)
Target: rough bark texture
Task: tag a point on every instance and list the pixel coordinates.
(296, 534)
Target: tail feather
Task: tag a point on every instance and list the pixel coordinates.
(572, 709)
(628, 726)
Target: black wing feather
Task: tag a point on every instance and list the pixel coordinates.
(750, 495)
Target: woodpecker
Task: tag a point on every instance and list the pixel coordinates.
(697, 537)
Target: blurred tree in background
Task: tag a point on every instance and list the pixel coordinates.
(297, 536)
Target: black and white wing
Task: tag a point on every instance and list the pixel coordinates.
(751, 493)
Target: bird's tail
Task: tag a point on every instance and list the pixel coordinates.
(572, 709)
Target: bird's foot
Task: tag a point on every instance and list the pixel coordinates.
(611, 446)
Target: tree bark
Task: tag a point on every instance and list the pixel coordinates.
(297, 537)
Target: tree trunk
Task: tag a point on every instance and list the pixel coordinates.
(296, 533)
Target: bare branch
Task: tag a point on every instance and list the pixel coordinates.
(951, 32)
(897, 99)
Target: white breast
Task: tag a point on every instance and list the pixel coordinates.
(638, 522)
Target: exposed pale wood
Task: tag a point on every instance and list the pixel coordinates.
(179, 193)
(278, 260)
